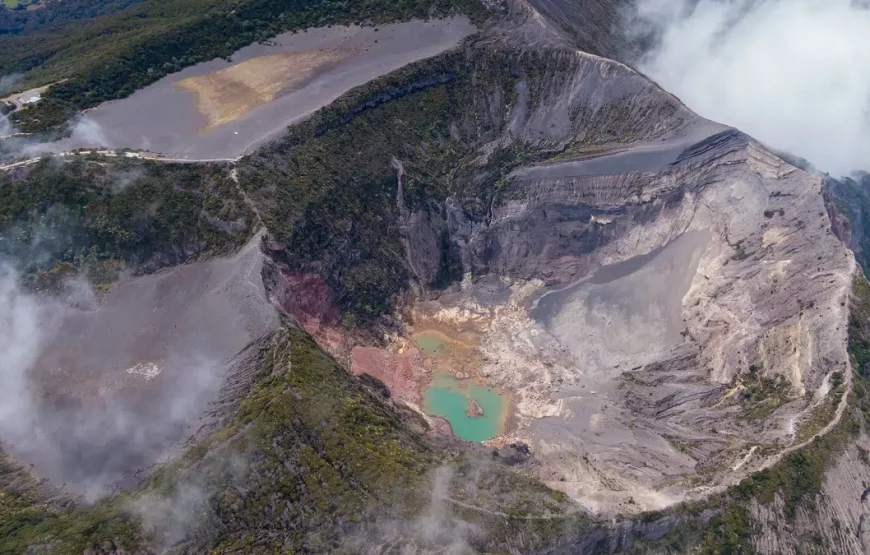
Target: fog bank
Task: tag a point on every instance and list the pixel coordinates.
(87, 430)
(794, 74)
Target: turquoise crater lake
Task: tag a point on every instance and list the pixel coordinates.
(449, 398)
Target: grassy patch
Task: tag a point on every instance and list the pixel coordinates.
(859, 326)
(821, 415)
(761, 395)
(28, 522)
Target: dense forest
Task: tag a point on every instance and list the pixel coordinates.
(87, 215)
(19, 19)
(111, 56)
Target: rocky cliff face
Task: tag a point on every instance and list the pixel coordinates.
(706, 323)
(848, 202)
(663, 298)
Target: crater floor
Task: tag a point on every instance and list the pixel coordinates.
(120, 381)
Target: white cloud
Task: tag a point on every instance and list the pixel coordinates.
(794, 74)
(20, 338)
(92, 444)
(6, 127)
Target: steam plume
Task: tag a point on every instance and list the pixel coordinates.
(793, 74)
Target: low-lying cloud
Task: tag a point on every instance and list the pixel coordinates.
(83, 133)
(21, 333)
(185, 511)
(437, 530)
(6, 127)
(89, 437)
(794, 74)
(8, 82)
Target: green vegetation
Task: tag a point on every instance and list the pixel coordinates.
(762, 395)
(60, 217)
(328, 191)
(334, 205)
(113, 55)
(31, 518)
(823, 413)
(313, 466)
(53, 12)
(859, 327)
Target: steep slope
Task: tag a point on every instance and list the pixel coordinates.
(103, 379)
(102, 213)
(592, 26)
(812, 501)
(848, 203)
(312, 460)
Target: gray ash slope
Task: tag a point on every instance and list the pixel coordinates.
(700, 337)
(767, 290)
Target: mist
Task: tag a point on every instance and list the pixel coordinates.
(6, 127)
(83, 133)
(93, 430)
(8, 82)
(793, 74)
(20, 336)
(436, 530)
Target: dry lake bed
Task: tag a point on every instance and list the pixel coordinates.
(221, 110)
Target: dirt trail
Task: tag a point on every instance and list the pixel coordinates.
(501, 514)
(113, 154)
(234, 175)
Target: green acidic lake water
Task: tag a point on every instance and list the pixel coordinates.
(431, 344)
(448, 398)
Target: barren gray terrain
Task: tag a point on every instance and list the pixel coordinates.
(652, 345)
(688, 264)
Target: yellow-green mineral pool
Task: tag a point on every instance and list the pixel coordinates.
(432, 344)
(449, 398)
